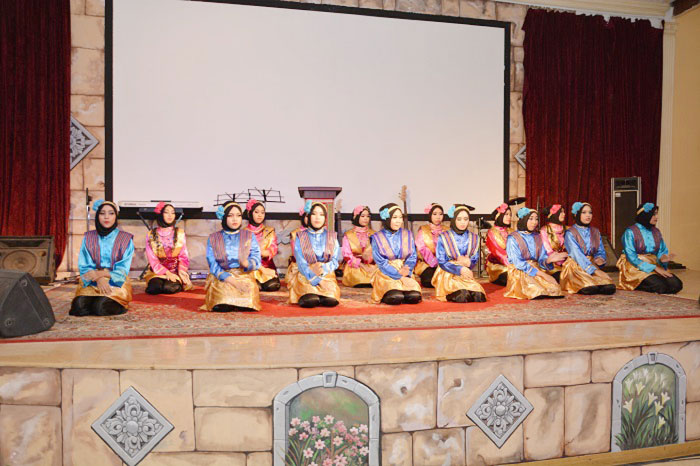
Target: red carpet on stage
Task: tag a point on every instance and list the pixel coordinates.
(179, 315)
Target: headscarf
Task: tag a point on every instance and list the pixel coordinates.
(223, 211)
(309, 207)
(524, 214)
(454, 211)
(576, 211)
(644, 213)
(357, 211)
(159, 215)
(97, 206)
(386, 212)
(498, 215)
(249, 208)
(551, 214)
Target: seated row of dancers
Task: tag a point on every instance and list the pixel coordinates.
(530, 263)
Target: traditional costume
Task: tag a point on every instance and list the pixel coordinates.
(166, 251)
(454, 245)
(426, 241)
(229, 285)
(292, 269)
(584, 245)
(643, 249)
(392, 250)
(526, 257)
(497, 260)
(105, 253)
(315, 245)
(266, 274)
(553, 235)
(357, 252)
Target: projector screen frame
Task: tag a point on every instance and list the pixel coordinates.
(108, 98)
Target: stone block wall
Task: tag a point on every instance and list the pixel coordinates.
(87, 106)
(225, 416)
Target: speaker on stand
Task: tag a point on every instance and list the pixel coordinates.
(625, 196)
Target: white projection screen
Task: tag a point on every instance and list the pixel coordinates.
(210, 98)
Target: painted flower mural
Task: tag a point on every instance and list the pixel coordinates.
(327, 442)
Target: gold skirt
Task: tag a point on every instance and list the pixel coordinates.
(121, 294)
(353, 276)
(291, 275)
(446, 283)
(495, 270)
(522, 286)
(574, 278)
(218, 292)
(630, 276)
(263, 274)
(381, 283)
(420, 268)
(151, 275)
(301, 286)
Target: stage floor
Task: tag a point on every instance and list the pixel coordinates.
(178, 316)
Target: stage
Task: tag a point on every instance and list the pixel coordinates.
(216, 377)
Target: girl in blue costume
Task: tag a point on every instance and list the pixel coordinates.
(394, 252)
(528, 261)
(644, 262)
(317, 255)
(233, 255)
(104, 262)
(580, 272)
(457, 252)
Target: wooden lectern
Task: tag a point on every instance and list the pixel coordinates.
(323, 194)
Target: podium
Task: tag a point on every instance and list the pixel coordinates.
(324, 194)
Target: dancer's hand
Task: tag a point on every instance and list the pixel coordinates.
(464, 261)
(599, 261)
(171, 276)
(667, 257)
(663, 272)
(404, 271)
(243, 263)
(317, 268)
(466, 273)
(103, 286)
(367, 255)
(185, 277)
(556, 257)
(91, 275)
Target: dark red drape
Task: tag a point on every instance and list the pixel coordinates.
(592, 108)
(35, 119)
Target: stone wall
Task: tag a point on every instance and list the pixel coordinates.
(87, 106)
(225, 416)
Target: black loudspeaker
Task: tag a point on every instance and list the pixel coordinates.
(626, 195)
(24, 308)
(31, 254)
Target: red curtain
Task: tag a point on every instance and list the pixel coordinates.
(592, 108)
(35, 119)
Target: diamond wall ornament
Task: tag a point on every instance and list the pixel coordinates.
(500, 410)
(132, 427)
(81, 142)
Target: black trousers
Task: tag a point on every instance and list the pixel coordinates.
(655, 283)
(95, 306)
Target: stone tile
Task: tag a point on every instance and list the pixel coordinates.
(461, 383)
(93, 173)
(88, 109)
(518, 54)
(140, 261)
(197, 249)
(605, 364)
(74, 242)
(247, 388)
(515, 14)
(201, 227)
(95, 7)
(519, 76)
(375, 4)
(569, 368)
(692, 421)
(86, 395)
(397, 449)
(78, 227)
(170, 392)
(481, 450)
(30, 435)
(77, 7)
(587, 419)
(439, 447)
(233, 429)
(347, 371)
(76, 178)
(477, 9)
(87, 32)
(138, 229)
(543, 429)
(407, 393)
(688, 355)
(97, 152)
(259, 459)
(517, 128)
(198, 458)
(431, 7)
(390, 5)
(450, 7)
(354, 3)
(87, 73)
(77, 203)
(30, 386)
